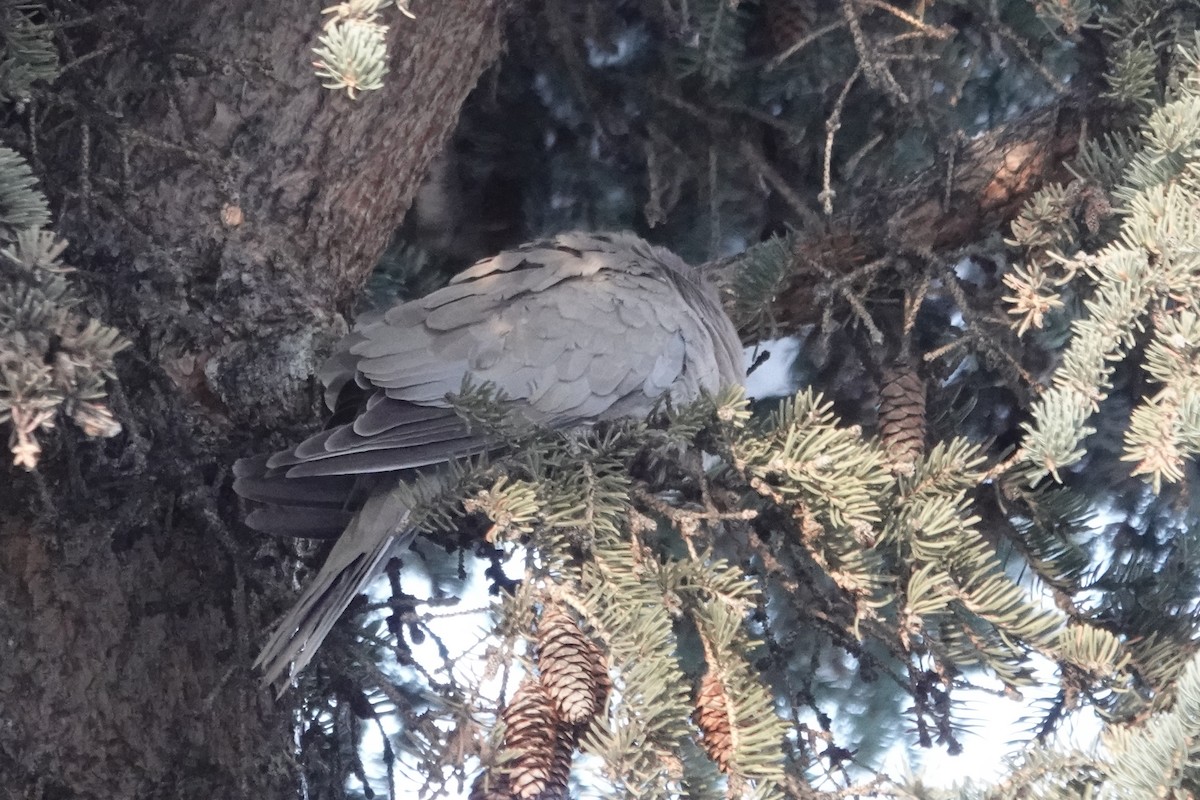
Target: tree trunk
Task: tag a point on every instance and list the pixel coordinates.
(222, 208)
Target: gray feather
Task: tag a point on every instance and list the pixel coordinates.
(376, 531)
(387, 459)
(332, 491)
(388, 415)
(302, 522)
(573, 330)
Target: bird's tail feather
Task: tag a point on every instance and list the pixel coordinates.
(376, 531)
(314, 508)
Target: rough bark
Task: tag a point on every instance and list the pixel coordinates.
(222, 208)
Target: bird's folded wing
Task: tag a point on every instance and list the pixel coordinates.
(575, 330)
(562, 329)
(313, 488)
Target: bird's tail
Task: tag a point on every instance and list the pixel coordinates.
(312, 508)
(378, 530)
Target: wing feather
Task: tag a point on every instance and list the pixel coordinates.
(299, 521)
(383, 413)
(402, 446)
(386, 460)
(574, 363)
(330, 492)
(575, 329)
(343, 440)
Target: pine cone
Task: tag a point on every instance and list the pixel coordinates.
(490, 785)
(902, 412)
(1094, 207)
(712, 717)
(600, 681)
(574, 671)
(539, 744)
(560, 765)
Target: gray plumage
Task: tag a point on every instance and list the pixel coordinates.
(573, 330)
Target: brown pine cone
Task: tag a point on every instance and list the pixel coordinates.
(539, 744)
(573, 669)
(712, 717)
(902, 413)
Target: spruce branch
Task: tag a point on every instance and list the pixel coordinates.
(1149, 266)
(22, 206)
(352, 49)
(52, 357)
(352, 55)
(760, 274)
(740, 730)
(27, 51)
(1164, 430)
(717, 50)
(1157, 758)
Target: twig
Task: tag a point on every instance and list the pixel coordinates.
(844, 286)
(1006, 33)
(942, 33)
(1004, 466)
(794, 132)
(851, 165)
(912, 304)
(979, 335)
(864, 316)
(398, 698)
(878, 75)
(951, 160)
(772, 176)
(687, 516)
(108, 49)
(831, 127)
(85, 168)
(803, 43)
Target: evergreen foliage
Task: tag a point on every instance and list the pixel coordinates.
(27, 50)
(830, 558)
(1144, 278)
(352, 49)
(986, 479)
(53, 357)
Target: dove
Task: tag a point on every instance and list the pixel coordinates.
(572, 330)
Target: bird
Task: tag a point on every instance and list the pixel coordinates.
(572, 330)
